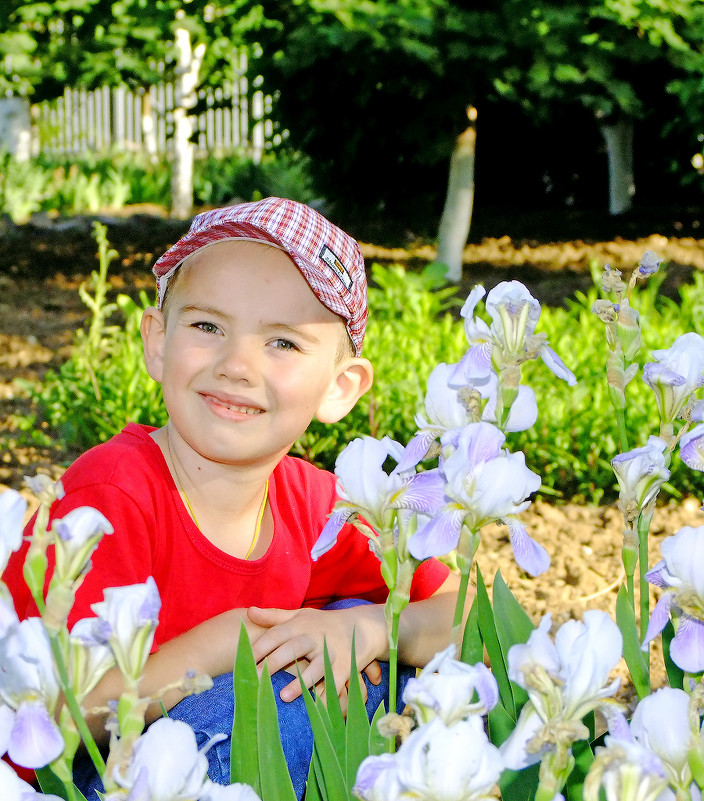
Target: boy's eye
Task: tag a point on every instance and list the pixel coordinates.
(208, 328)
(284, 344)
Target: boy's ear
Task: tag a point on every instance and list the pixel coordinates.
(353, 379)
(153, 330)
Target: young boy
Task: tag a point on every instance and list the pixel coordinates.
(259, 327)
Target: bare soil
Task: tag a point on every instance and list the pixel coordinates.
(43, 263)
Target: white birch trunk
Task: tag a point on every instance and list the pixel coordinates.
(457, 213)
(15, 127)
(148, 127)
(187, 69)
(619, 148)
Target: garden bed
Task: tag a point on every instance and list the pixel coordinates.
(42, 265)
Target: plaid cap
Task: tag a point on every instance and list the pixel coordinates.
(328, 258)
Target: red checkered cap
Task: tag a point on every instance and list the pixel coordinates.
(329, 259)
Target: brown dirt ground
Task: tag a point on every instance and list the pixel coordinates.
(43, 263)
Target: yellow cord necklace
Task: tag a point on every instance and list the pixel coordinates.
(181, 489)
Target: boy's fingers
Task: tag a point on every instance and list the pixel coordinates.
(373, 672)
(270, 617)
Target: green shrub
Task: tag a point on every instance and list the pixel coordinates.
(114, 179)
(411, 328)
(218, 181)
(105, 384)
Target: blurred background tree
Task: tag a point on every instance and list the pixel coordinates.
(579, 103)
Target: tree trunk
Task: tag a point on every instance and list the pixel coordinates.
(619, 148)
(15, 127)
(457, 213)
(148, 127)
(187, 69)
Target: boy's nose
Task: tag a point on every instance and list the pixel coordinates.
(237, 361)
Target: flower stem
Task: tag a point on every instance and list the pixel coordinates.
(393, 674)
(622, 430)
(74, 707)
(643, 528)
(456, 638)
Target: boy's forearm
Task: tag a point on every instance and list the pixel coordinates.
(210, 648)
(426, 626)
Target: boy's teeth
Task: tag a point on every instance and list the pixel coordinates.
(243, 409)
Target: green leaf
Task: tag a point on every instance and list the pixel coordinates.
(514, 784)
(357, 729)
(472, 646)
(315, 781)
(51, 784)
(638, 667)
(244, 758)
(583, 756)
(675, 675)
(331, 780)
(275, 780)
(334, 711)
(489, 634)
(513, 625)
(377, 743)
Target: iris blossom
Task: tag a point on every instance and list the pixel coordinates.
(166, 765)
(88, 660)
(445, 688)
(439, 762)
(366, 489)
(653, 753)
(640, 473)
(484, 484)
(510, 338)
(77, 536)
(12, 788)
(445, 409)
(12, 511)
(126, 621)
(564, 679)
(676, 374)
(680, 574)
(30, 691)
(692, 448)
(627, 772)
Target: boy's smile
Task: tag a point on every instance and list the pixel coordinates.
(245, 352)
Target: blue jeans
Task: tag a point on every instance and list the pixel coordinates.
(211, 713)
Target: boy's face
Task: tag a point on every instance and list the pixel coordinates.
(246, 355)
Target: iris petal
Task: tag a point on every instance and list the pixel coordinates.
(328, 536)
(529, 555)
(659, 618)
(35, 740)
(439, 537)
(687, 648)
(555, 364)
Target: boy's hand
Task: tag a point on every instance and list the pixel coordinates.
(301, 635)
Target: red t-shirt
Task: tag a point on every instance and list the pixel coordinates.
(127, 479)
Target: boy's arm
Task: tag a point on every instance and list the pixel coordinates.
(209, 648)
(425, 628)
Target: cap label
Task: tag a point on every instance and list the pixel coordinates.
(336, 266)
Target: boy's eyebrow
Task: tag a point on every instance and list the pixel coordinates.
(284, 328)
(201, 310)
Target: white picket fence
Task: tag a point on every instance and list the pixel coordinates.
(81, 121)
